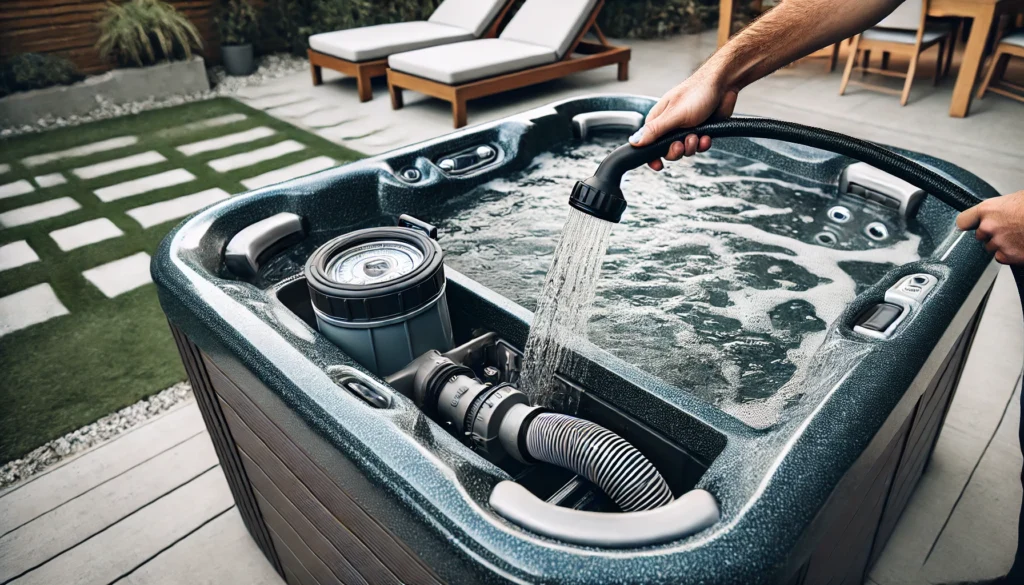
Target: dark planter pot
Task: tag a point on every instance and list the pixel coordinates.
(238, 59)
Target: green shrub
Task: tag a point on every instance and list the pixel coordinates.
(645, 19)
(143, 32)
(35, 71)
(237, 23)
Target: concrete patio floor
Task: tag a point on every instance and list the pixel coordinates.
(152, 506)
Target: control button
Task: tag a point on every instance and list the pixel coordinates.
(879, 317)
(447, 164)
(411, 174)
(484, 152)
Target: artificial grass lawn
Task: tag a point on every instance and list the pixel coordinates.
(64, 373)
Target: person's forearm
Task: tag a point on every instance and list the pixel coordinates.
(791, 30)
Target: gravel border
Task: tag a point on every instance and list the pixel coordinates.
(93, 434)
(270, 67)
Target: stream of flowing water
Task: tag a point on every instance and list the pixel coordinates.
(565, 302)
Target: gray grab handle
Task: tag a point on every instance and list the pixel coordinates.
(690, 513)
(588, 122)
(243, 252)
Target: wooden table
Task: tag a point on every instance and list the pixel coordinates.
(984, 13)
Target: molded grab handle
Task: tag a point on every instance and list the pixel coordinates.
(690, 513)
(628, 157)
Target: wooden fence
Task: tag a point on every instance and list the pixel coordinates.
(69, 28)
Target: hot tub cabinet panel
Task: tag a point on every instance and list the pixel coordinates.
(337, 486)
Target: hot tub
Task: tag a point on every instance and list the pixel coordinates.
(778, 325)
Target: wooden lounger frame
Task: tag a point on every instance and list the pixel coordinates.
(591, 56)
(365, 71)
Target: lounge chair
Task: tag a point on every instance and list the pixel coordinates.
(537, 45)
(362, 52)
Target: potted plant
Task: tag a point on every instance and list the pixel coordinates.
(238, 28)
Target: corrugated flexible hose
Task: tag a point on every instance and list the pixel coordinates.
(601, 456)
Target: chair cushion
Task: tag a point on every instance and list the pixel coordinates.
(554, 25)
(1016, 39)
(471, 60)
(472, 15)
(374, 42)
(905, 37)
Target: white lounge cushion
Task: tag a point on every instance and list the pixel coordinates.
(375, 42)
(554, 24)
(471, 60)
(905, 37)
(472, 15)
(1016, 39)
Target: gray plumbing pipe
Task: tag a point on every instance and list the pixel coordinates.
(601, 456)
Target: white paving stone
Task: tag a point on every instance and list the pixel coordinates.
(296, 170)
(300, 109)
(16, 254)
(226, 141)
(213, 122)
(16, 188)
(85, 233)
(244, 159)
(50, 180)
(79, 151)
(4, 168)
(117, 165)
(38, 212)
(29, 307)
(144, 185)
(274, 101)
(164, 211)
(120, 276)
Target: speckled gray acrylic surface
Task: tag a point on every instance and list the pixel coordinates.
(770, 478)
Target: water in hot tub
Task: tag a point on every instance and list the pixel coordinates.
(716, 281)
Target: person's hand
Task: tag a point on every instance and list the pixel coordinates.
(700, 98)
(999, 222)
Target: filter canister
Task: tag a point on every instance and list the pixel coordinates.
(379, 295)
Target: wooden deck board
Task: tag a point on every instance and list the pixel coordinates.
(220, 553)
(49, 490)
(80, 518)
(142, 536)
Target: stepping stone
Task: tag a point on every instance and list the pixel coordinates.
(16, 254)
(273, 101)
(119, 164)
(120, 276)
(38, 212)
(300, 109)
(334, 117)
(245, 159)
(212, 122)
(29, 307)
(4, 168)
(79, 151)
(51, 180)
(85, 233)
(16, 188)
(301, 169)
(226, 141)
(164, 211)
(144, 185)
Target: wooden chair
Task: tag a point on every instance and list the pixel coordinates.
(1011, 45)
(904, 32)
(549, 63)
(363, 53)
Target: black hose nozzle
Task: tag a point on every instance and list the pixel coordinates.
(601, 195)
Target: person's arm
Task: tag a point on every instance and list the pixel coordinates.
(999, 222)
(791, 30)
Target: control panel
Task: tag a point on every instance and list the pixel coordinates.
(881, 320)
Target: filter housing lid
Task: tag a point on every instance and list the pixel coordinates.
(375, 274)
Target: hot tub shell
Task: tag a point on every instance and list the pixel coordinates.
(333, 490)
